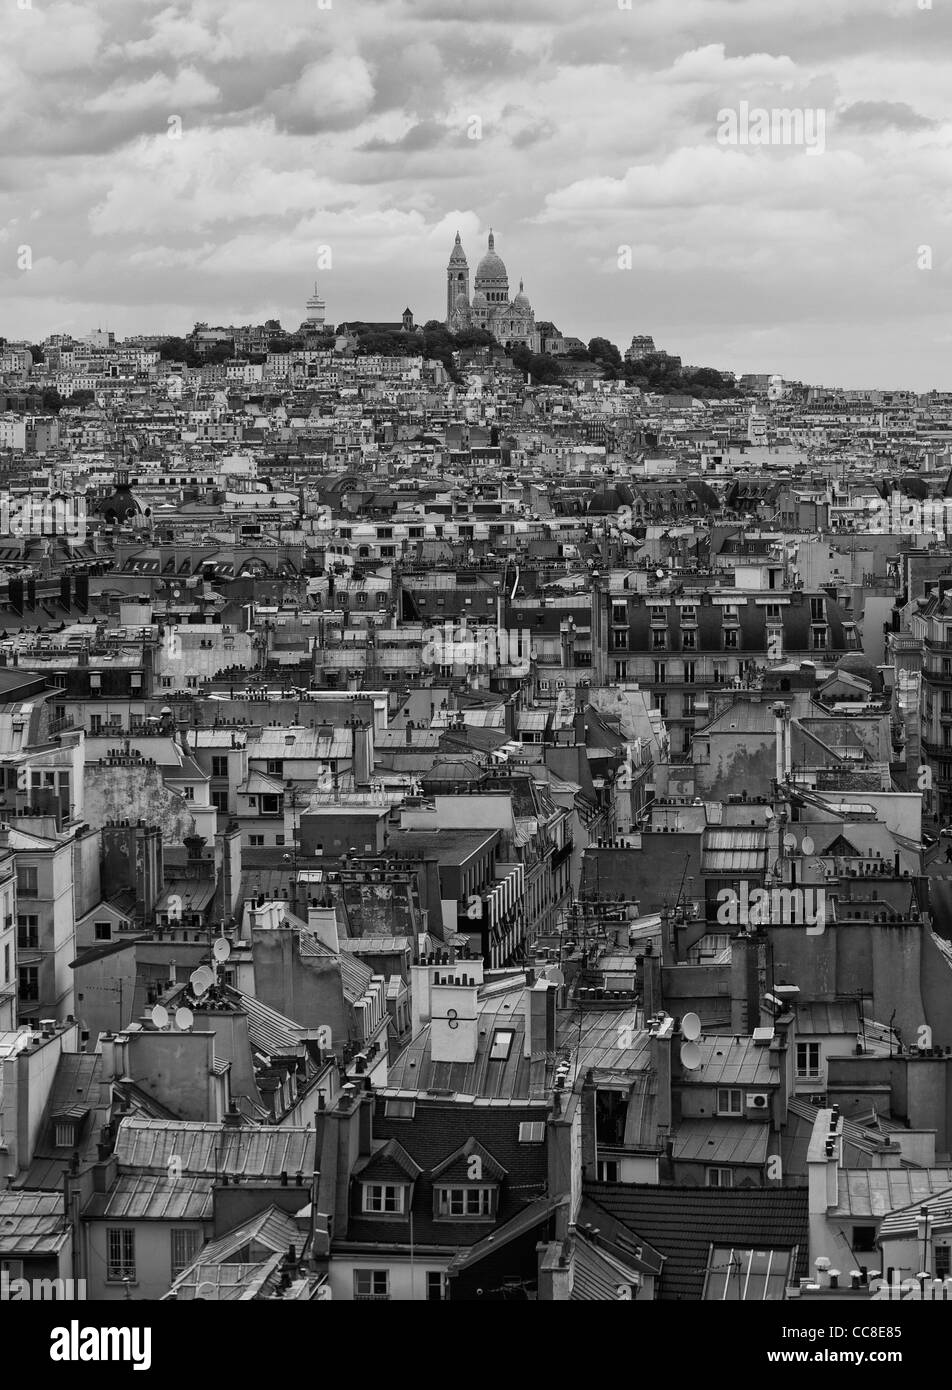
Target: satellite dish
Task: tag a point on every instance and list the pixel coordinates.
(221, 950)
(201, 980)
(691, 1027)
(555, 976)
(690, 1056)
(184, 1018)
(160, 1016)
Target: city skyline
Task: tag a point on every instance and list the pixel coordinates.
(171, 165)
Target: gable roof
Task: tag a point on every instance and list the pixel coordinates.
(459, 1160)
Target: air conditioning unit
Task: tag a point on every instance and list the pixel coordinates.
(758, 1100)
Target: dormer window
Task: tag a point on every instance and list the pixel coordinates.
(383, 1199)
(65, 1134)
(474, 1202)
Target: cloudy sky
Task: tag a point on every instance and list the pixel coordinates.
(350, 124)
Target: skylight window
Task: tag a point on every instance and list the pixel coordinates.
(502, 1044)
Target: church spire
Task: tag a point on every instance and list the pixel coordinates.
(492, 240)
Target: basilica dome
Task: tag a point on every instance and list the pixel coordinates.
(491, 272)
(521, 301)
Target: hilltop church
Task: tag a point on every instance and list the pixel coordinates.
(509, 321)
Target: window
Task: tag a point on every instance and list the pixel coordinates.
(808, 1059)
(660, 672)
(864, 1240)
(102, 931)
(279, 840)
(659, 638)
(607, 1170)
(817, 614)
(28, 932)
(747, 1275)
(819, 638)
(256, 841)
(729, 1102)
(467, 1203)
(120, 1254)
(399, 1109)
(270, 805)
(942, 1261)
(434, 1286)
(27, 886)
(383, 1198)
(220, 802)
(720, 1177)
(64, 1134)
(29, 986)
(188, 793)
(219, 767)
(689, 673)
(275, 767)
(621, 670)
(502, 1042)
(185, 1244)
(730, 639)
(371, 1283)
(532, 1132)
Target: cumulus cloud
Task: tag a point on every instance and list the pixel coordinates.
(352, 128)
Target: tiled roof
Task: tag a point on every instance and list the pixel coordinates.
(906, 1221)
(269, 1031)
(682, 1223)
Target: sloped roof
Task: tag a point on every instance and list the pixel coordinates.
(683, 1223)
(459, 1161)
(31, 1224)
(263, 1151)
(147, 1197)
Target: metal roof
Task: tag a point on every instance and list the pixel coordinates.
(721, 1141)
(32, 1223)
(263, 1151)
(146, 1197)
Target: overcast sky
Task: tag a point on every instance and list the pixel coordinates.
(350, 127)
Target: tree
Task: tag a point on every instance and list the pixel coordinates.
(601, 350)
(37, 353)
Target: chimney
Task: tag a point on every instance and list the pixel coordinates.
(453, 1001)
(322, 921)
(539, 1008)
(659, 1042)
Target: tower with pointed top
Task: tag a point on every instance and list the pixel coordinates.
(457, 282)
(314, 313)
